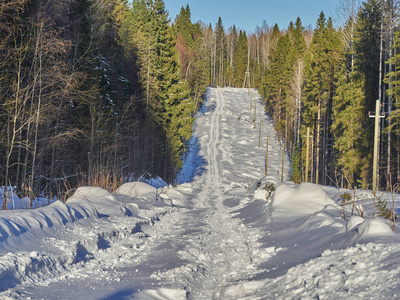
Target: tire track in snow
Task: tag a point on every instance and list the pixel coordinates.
(222, 254)
(128, 239)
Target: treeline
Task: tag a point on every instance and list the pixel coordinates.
(100, 91)
(94, 92)
(328, 80)
(330, 84)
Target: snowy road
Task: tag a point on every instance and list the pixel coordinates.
(214, 236)
(195, 249)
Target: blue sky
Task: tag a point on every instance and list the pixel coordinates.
(247, 14)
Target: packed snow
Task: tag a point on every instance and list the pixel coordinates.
(226, 231)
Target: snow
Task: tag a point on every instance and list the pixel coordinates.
(374, 228)
(137, 190)
(104, 203)
(305, 199)
(226, 231)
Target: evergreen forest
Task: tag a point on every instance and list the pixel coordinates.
(97, 92)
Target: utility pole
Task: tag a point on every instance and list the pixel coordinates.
(255, 110)
(248, 82)
(251, 101)
(266, 158)
(283, 158)
(247, 78)
(308, 136)
(312, 163)
(248, 67)
(376, 145)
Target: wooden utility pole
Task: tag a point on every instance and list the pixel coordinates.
(251, 101)
(248, 68)
(312, 163)
(266, 158)
(255, 111)
(247, 78)
(283, 157)
(259, 137)
(317, 167)
(308, 136)
(376, 145)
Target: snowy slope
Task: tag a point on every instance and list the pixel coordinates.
(214, 236)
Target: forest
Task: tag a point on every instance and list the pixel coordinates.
(98, 92)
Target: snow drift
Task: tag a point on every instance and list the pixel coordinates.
(307, 198)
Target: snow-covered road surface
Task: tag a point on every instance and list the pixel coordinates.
(214, 236)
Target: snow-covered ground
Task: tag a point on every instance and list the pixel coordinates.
(220, 234)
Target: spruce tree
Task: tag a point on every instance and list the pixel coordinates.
(220, 52)
(319, 91)
(367, 48)
(183, 25)
(232, 40)
(240, 59)
(297, 78)
(278, 83)
(367, 57)
(393, 79)
(298, 39)
(175, 106)
(348, 126)
(296, 165)
(316, 86)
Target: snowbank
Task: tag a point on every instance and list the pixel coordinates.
(305, 199)
(15, 223)
(87, 202)
(172, 196)
(105, 203)
(370, 228)
(137, 190)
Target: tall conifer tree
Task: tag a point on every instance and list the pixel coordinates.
(240, 59)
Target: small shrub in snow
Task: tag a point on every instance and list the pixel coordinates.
(357, 207)
(346, 197)
(270, 188)
(382, 207)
